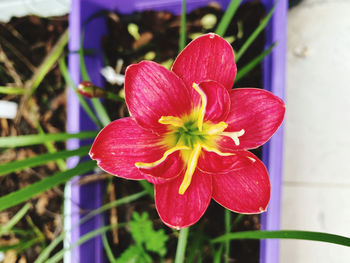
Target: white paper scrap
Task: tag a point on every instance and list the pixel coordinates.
(8, 109)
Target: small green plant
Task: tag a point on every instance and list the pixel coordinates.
(146, 240)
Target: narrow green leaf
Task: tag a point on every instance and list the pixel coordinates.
(46, 252)
(14, 220)
(41, 159)
(237, 220)
(253, 63)
(21, 245)
(30, 191)
(286, 234)
(101, 111)
(50, 146)
(217, 254)
(12, 90)
(227, 17)
(182, 38)
(254, 35)
(228, 217)
(82, 101)
(96, 103)
(108, 248)
(48, 62)
(26, 140)
(59, 255)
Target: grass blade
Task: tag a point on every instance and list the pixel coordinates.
(46, 252)
(82, 101)
(182, 38)
(33, 139)
(12, 90)
(228, 218)
(227, 17)
(254, 35)
(247, 68)
(41, 159)
(107, 248)
(96, 103)
(50, 146)
(48, 62)
(14, 220)
(286, 234)
(59, 255)
(30, 191)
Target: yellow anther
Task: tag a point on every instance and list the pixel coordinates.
(234, 135)
(191, 167)
(171, 120)
(165, 155)
(203, 106)
(216, 128)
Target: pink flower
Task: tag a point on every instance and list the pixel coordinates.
(188, 134)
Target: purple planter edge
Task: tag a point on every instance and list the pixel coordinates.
(91, 197)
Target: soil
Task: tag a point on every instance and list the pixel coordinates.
(25, 42)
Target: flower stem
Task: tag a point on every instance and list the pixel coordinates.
(181, 245)
(227, 231)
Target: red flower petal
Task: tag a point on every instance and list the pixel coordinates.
(218, 101)
(179, 211)
(152, 91)
(208, 57)
(121, 144)
(258, 112)
(240, 182)
(165, 171)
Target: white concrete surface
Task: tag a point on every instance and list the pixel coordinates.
(316, 184)
(10, 8)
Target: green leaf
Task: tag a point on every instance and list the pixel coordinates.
(96, 103)
(217, 254)
(41, 159)
(14, 220)
(82, 101)
(134, 254)
(182, 38)
(51, 148)
(254, 35)
(286, 234)
(107, 248)
(227, 17)
(46, 252)
(142, 231)
(59, 255)
(48, 62)
(26, 140)
(253, 63)
(30, 191)
(12, 90)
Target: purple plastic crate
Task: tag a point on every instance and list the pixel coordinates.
(90, 196)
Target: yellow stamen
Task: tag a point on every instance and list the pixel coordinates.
(165, 155)
(191, 167)
(217, 151)
(216, 128)
(234, 135)
(171, 120)
(203, 106)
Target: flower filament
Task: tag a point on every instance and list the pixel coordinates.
(189, 134)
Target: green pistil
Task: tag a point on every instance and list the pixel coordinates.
(189, 135)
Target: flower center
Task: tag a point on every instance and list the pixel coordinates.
(189, 134)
